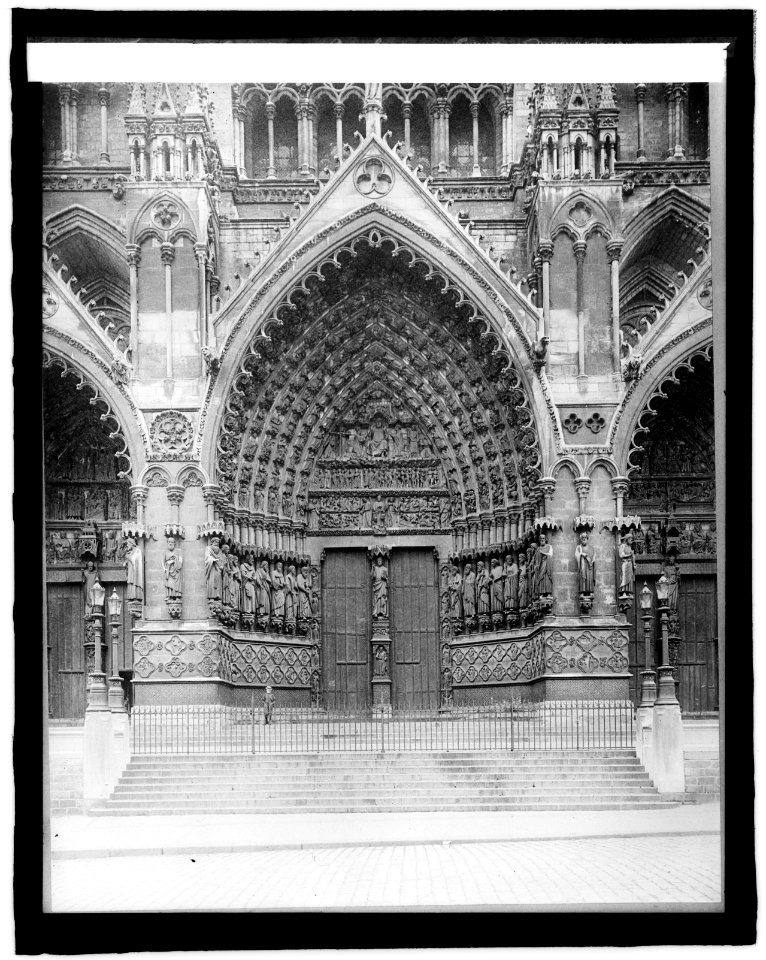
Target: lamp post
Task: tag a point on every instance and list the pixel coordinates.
(96, 691)
(115, 699)
(667, 687)
(648, 676)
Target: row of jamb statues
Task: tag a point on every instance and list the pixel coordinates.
(517, 590)
(259, 593)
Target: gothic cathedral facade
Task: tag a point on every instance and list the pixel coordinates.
(382, 395)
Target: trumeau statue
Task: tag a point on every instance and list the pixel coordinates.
(172, 564)
(586, 564)
(673, 576)
(379, 589)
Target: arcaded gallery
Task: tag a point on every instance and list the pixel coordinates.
(392, 398)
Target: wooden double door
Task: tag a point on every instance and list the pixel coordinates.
(413, 600)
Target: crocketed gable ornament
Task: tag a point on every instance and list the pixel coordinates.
(374, 178)
(171, 432)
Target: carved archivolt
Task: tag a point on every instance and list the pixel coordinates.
(369, 325)
(643, 423)
(98, 401)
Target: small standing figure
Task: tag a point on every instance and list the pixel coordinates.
(90, 579)
(172, 564)
(511, 577)
(469, 591)
(628, 564)
(268, 705)
(482, 589)
(497, 587)
(379, 589)
(134, 564)
(381, 661)
(586, 565)
(544, 565)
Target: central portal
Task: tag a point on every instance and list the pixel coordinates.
(413, 667)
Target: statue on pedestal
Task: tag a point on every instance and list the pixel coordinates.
(586, 564)
(523, 582)
(381, 661)
(304, 601)
(291, 595)
(456, 594)
(172, 564)
(247, 573)
(497, 587)
(379, 589)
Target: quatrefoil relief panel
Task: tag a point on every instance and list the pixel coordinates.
(166, 214)
(374, 177)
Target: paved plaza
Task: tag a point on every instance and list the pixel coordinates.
(383, 861)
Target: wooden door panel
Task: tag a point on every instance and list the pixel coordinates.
(66, 636)
(414, 623)
(698, 653)
(346, 626)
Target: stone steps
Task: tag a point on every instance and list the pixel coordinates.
(403, 782)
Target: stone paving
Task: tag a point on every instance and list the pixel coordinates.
(643, 871)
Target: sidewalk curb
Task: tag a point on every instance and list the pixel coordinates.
(100, 853)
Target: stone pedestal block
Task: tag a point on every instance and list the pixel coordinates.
(644, 732)
(120, 746)
(667, 767)
(97, 755)
(381, 692)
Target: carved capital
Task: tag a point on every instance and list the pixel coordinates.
(545, 251)
(167, 253)
(133, 254)
(614, 249)
(474, 108)
(640, 89)
(580, 248)
(103, 97)
(406, 110)
(139, 492)
(210, 492)
(64, 91)
(175, 492)
(339, 109)
(582, 486)
(620, 486)
(271, 109)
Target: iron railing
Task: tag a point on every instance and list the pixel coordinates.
(507, 725)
